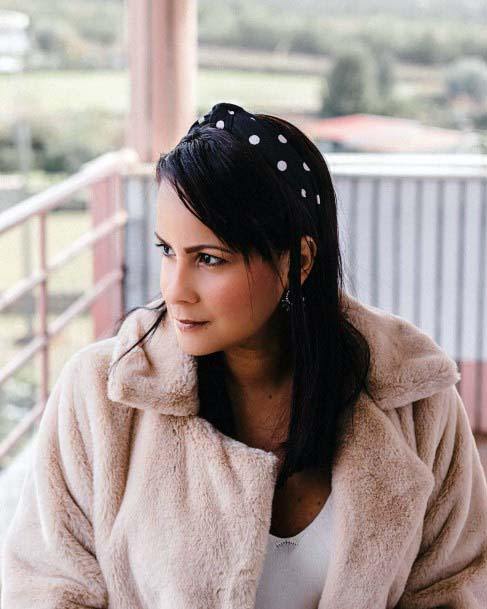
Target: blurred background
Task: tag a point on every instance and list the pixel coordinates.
(394, 94)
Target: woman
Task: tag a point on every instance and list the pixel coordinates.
(293, 447)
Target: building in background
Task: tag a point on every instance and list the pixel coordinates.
(374, 133)
(14, 41)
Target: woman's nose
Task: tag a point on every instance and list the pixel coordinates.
(177, 284)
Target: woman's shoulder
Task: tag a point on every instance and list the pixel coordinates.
(412, 379)
(93, 360)
(83, 377)
(406, 363)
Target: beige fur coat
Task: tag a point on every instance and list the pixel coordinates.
(133, 501)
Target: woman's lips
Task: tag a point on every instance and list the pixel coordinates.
(190, 326)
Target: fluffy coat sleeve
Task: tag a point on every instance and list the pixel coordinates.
(450, 571)
(49, 559)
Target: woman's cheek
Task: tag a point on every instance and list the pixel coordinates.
(230, 295)
(249, 301)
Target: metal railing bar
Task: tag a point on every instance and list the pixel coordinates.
(418, 249)
(81, 303)
(396, 250)
(440, 197)
(23, 286)
(353, 232)
(43, 304)
(93, 236)
(78, 306)
(479, 347)
(55, 327)
(20, 358)
(26, 284)
(435, 172)
(59, 194)
(397, 165)
(374, 242)
(21, 429)
(407, 158)
(109, 167)
(461, 255)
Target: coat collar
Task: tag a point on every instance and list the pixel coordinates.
(406, 364)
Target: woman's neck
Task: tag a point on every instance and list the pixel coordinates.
(258, 378)
(261, 416)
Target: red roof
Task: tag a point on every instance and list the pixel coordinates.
(373, 133)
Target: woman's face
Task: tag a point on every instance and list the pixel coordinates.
(212, 284)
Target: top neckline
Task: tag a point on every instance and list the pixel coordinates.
(296, 537)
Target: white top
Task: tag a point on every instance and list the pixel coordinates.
(295, 567)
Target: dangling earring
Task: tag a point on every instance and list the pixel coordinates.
(285, 302)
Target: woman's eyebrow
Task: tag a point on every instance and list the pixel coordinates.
(195, 248)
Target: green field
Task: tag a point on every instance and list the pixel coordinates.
(280, 92)
(63, 91)
(73, 91)
(76, 91)
(62, 229)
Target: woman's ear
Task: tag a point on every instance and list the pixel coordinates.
(308, 253)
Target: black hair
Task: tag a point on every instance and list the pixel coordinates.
(240, 197)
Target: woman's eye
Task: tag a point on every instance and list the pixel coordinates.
(217, 261)
(161, 245)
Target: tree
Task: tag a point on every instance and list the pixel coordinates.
(352, 85)
(467, 76)
(385, 74)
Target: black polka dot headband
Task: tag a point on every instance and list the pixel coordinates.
(271, 143)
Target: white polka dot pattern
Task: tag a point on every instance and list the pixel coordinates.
(274, 146)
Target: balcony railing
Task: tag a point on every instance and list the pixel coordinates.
(103, 179)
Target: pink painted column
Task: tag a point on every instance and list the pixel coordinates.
(105, 201)
(163, 70)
